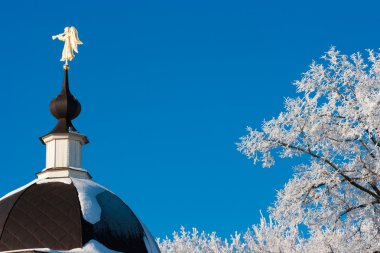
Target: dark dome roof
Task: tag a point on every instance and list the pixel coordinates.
(68, 213)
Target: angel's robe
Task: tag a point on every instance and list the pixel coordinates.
(67, 53)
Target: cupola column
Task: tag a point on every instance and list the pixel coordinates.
(64, 150)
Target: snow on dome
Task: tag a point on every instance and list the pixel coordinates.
(91, 247)
(52, 180)
(87, 192)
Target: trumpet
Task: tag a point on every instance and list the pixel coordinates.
(56, 36)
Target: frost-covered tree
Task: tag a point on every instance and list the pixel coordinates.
(265, 237)
(334, 124)
(333, 127)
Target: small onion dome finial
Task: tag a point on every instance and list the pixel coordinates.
(65, 107)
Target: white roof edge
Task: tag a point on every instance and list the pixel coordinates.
(18, 190)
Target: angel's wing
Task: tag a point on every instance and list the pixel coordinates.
(74, 39)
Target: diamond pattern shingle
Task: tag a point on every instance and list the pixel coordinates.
(45, 216)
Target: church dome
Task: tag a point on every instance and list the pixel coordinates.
(70, 213)
(64, 210)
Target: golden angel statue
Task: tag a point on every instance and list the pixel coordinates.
(71, 39)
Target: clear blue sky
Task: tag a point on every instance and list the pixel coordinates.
(167, 88)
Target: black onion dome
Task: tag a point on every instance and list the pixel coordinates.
(63, 214)
(65, 107)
